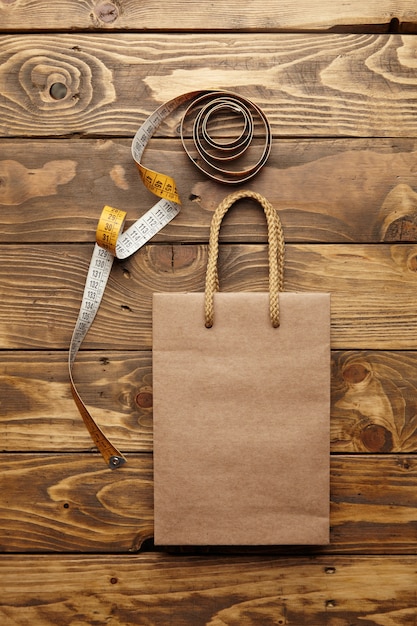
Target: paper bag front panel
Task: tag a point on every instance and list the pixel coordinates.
(241, 420)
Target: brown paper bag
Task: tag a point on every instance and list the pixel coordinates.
(241, 410)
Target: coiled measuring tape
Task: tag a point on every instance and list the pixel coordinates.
(217, 157)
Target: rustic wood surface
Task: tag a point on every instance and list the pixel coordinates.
(231, 15)
(338, 83)
(71, 503)
(158, 589)
(305, 83)
(373, 290)
(374, 400)
(327, 190)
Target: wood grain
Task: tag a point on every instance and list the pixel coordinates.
(233, 15)
(372, 286)
(308, 85)
(208, 591)
(38, 411)
(338, 83)
(74, 503)
(374, 401)
(326, 191)
(373, 410)
(71, 504)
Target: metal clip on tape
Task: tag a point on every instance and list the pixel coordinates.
(217, 157)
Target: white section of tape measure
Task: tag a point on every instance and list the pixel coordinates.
(147, 129)
(145, 228)
(101, 263)
(133, 238)
(95, 284)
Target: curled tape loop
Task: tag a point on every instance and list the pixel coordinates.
(219, 158)
(214, 156)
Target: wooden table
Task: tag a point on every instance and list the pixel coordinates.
(339, 86)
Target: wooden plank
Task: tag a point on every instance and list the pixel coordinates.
(73, 502)
(325, 190)
(308, 85)
(372, 287)
(151, 589)
(233, 15)
(38, 412)
(374, 405)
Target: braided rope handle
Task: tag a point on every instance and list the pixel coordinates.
(275, 254)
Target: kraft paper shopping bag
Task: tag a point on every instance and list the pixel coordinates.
(241, 386)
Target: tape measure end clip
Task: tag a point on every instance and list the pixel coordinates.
(116, 461)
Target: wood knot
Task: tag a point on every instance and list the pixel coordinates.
(377, 438)
(58, 91)
(405, 464)
(144, 400)
(106, 12)
(403, 229)
(44, 80)
(355, 373)
(399, 212)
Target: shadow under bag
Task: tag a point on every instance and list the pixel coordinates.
(241, 386)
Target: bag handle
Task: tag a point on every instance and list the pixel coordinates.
(275, 254)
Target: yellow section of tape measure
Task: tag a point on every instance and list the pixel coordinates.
(160, 184)
(109, 227)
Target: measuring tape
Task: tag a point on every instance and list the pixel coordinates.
(216, 157)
